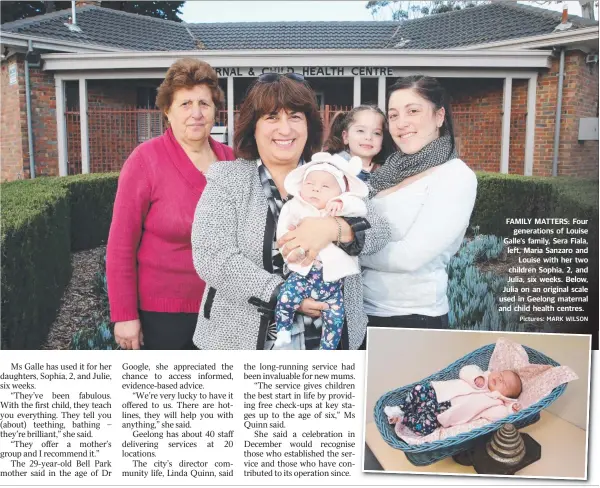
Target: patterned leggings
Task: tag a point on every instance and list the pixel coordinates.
(296, 288)
(420, 408)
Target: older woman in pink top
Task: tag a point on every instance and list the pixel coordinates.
(153, 289)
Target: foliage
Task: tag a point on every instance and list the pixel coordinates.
(36, 260)
(22, 10)
(404, 10)
(91, 197)
(100, 337)
(101, 289)
(472, 294)
(42, 221)
(587, 6)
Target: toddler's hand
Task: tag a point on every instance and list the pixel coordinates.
(516, 407)
(333, 207)
(480, 382)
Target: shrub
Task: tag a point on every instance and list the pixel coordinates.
(36, 260)
(101, 289)
(502, 196)
(43, 220)
(91, 198)
(472, 294)
(101, 336)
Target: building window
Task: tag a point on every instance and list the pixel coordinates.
(149, 119)
(72, 96)
(146, 96)
(320, 100)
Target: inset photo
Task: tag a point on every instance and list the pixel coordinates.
(477, 403)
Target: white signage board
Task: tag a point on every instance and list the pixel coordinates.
(307, 71)
(12, 74)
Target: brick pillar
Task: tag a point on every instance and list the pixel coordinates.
(15, 148)
(43, 102)
(13, 124)
(580, 99)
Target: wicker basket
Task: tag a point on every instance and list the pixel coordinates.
(430, 452)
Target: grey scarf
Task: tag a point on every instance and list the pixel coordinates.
(400, 166)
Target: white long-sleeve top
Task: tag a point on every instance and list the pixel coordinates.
(428, 219)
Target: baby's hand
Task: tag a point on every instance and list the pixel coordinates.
(333, 207)
(480, 382)
(516, 407)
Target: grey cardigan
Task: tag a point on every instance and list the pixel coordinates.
(230, 254)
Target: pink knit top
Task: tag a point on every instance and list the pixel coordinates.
(149, 256)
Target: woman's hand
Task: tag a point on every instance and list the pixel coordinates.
(312, 235)
(129, 334)
(312, 308)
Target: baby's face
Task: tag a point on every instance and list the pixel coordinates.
(506, 383)
(318, 188)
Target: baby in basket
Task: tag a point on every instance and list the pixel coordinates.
(476, 394)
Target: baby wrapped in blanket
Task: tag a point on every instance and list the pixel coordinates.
(475, 395)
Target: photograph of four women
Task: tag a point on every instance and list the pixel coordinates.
(286, 240)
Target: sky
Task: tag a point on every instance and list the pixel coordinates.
(273, 11)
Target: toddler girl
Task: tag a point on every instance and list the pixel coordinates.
(362, 132)
(327, 185)
(476, 394)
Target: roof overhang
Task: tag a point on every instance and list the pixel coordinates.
(585, 39)
(451, 59)
(20, 42)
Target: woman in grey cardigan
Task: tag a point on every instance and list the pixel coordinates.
(233, 243)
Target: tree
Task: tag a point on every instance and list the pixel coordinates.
(403, 10)
(587, 6)
(22, 10)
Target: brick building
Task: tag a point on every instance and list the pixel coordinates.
(91, 76)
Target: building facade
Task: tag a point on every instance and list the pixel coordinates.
(80, 101)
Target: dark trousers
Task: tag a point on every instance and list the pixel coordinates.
(407, 322)
(170, 331)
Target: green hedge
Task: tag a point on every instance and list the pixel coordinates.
(42, 222)
(36, 261)
(501, 196)
(91, 198)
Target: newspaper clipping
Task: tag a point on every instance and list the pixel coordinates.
(413, 185)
